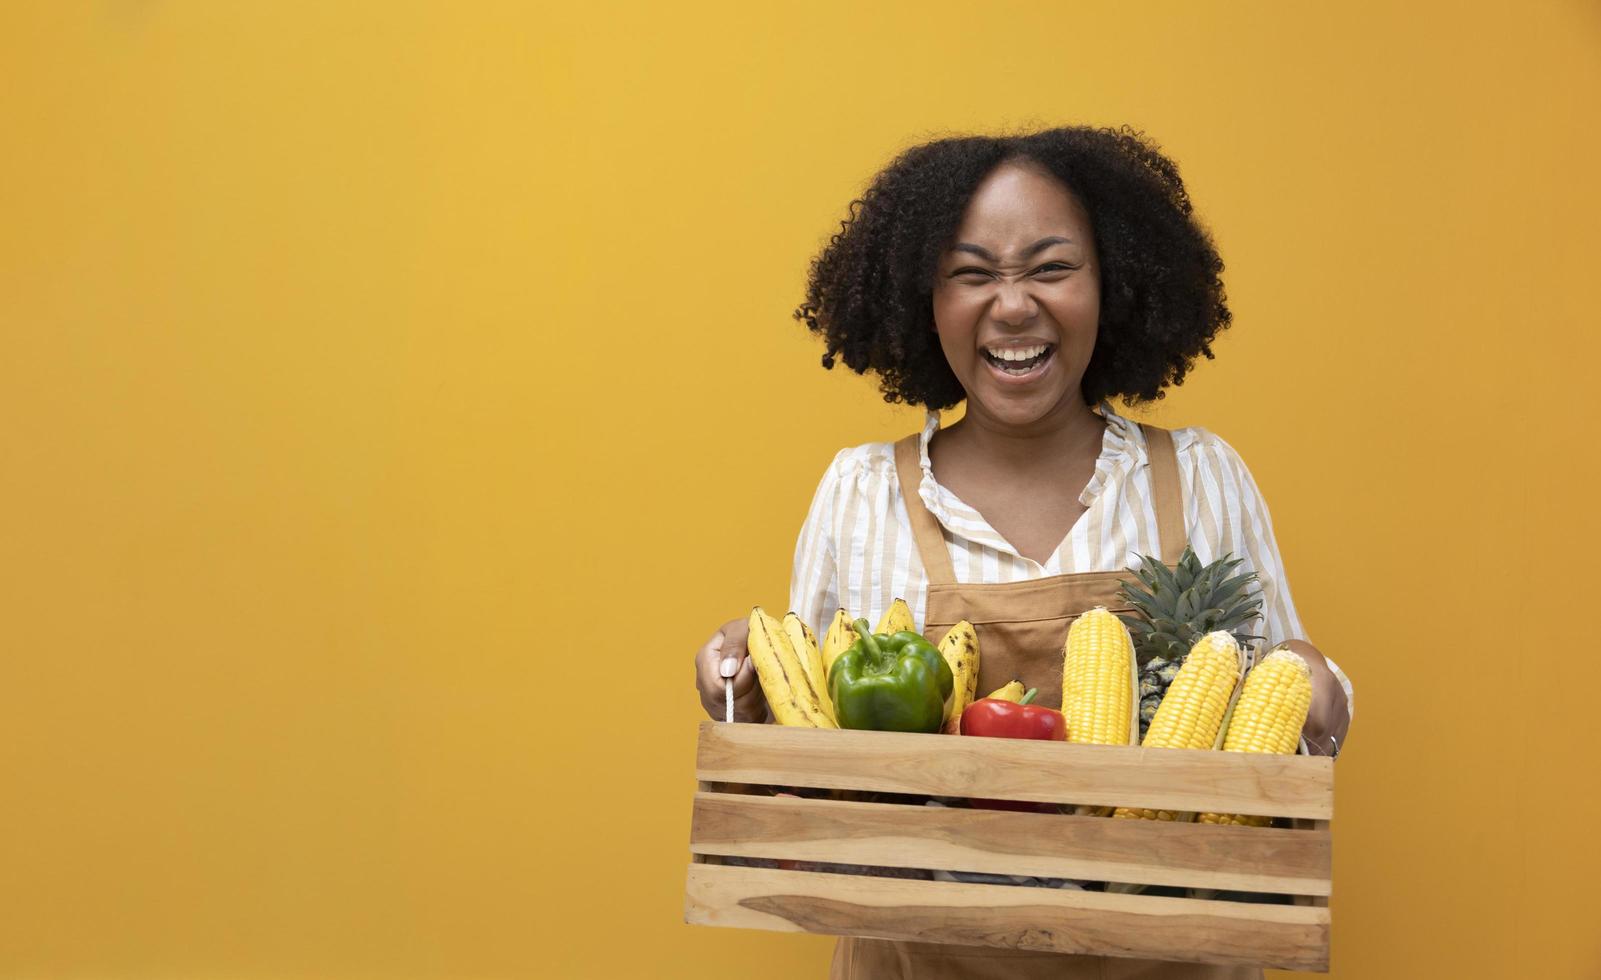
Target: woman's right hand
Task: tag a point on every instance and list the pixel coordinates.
(725, 656)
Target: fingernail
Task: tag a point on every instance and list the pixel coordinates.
(730, 666)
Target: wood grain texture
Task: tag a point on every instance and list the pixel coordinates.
(1257, 859)
(1017, 769)
(1287, 937)
(1320, 899)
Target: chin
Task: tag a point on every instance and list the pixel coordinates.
(1020, 411)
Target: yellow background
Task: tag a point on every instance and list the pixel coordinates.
(393, 397)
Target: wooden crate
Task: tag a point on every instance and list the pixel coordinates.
(737, 816)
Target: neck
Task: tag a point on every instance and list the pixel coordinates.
(1062, 433)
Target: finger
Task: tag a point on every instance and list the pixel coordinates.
(745, 680)
(708, 667)
(751, 704)
(723, 655)
(710, 651)
(751, 709)
(1316, 732)
(735, 632)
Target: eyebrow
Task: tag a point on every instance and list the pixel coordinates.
(1038, 246)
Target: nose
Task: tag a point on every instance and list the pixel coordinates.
(1014, 305)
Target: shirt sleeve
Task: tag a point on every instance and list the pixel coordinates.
(1228, 515)
(814, 579)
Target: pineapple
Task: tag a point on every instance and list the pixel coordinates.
(1155, 677)
(1176, 607)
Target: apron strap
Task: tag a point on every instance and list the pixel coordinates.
(925, 529)
(1167, 491)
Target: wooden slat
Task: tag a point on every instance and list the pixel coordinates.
(1289, 937)
(1017, 769)
(1322, 899)
(1147, 852)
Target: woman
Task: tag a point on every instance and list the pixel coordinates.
(1036, 277)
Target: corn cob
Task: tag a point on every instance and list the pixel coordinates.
(1268, 718)
(1191, 713)
(1098, 679)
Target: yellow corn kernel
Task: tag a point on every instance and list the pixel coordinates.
(1191, 714)
(1233, 819)
(1269, 716)
(1098, 679)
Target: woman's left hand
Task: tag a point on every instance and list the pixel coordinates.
(1330, 714)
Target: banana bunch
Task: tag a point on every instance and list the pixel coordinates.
(794, 671)
(791, 673)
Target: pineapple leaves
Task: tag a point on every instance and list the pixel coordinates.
(1174, 607)
(1166, 582)
(1138, 597)
(1238, 583)
(1168, 645)
(1203, 587)
(1243, 611)
(1187, 571)
(1139, 626)
(1161, 577)
(1185, 610)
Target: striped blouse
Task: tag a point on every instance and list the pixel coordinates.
(856, 550)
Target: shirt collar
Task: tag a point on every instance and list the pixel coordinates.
(1120, 446)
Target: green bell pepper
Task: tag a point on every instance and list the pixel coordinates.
(890, 683)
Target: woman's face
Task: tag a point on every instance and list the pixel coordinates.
(1017, 297)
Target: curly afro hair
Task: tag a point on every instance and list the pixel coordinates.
(870, 291)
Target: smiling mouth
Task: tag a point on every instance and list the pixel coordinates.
(1016, 366)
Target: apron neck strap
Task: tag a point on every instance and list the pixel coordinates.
(925, 529)
(1167, 491)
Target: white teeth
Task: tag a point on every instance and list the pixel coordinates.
(1015, 353)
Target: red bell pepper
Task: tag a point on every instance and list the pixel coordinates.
(995, 718)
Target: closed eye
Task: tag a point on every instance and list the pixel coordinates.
(1047, 267)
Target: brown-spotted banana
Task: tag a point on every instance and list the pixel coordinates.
(960, 649)
(784, 680)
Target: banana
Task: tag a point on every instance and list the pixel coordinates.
(784, 681)
(960, 649)
(1011, 691)
(896, 618)
(839, 638)
(804, 642)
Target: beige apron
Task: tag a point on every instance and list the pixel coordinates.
(1021, 627)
